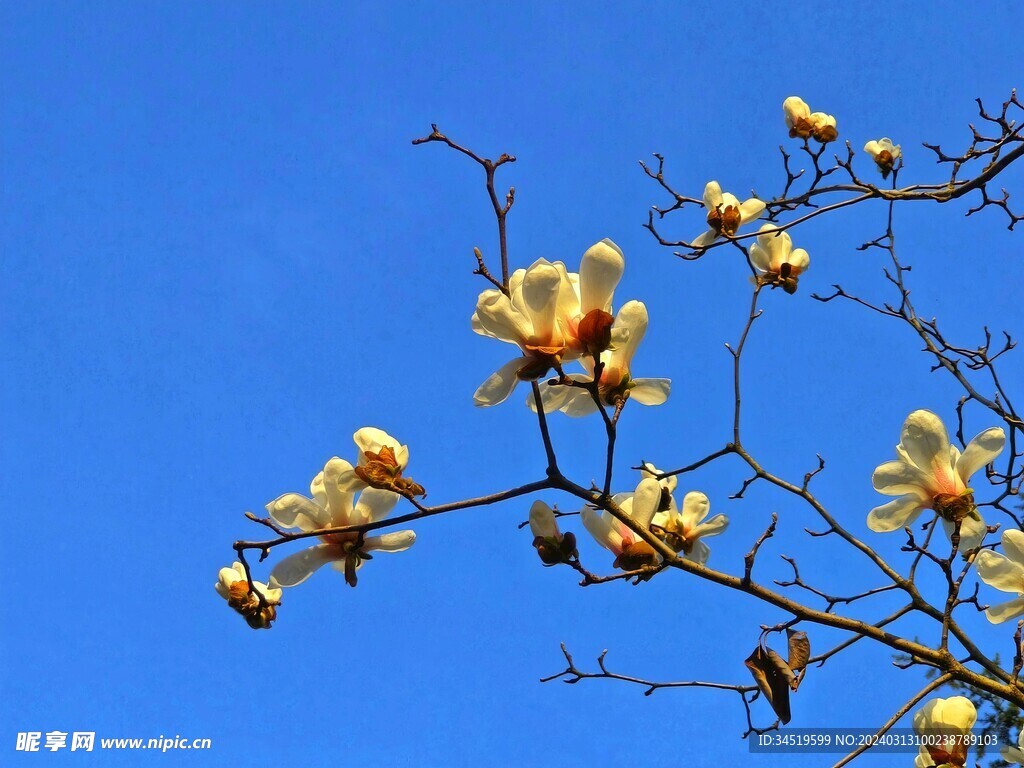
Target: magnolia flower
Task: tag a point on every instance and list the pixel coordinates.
(616, 382)
(932, 474)
(233, 586)
(543, 313)
(668, 484)
(884, 153)
(945, 727)
(552, 545)
(1014, 754)
(773, 256)
(804, 124)
(683, 530)
(726, 214)
(1005, 572)
(382, 459)
(631, 552)
(334, 506)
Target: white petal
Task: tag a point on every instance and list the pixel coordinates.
(600, 271)
(499, 385)
(897, 478)
(555, 397)
(540, 292)
(704, 239)
(751, 209)
(581, 405)
(926, 441)
(1000, 572)
(1011, 609)
(498, 318)
(760, 258)
(712, 527)
(371, 439)
(397, 541)
(1013, 545)
(972, 532)
(1013, 754)
(650, 391)
(292, 510)
(339, 499)
(799, 260)
(542, 520)
(982, 450)
(316, 489)
(346, 479)
(601, 529)
(695, 508)
(632, 319)
(646, 500)
(374, 504)
(712, 195)
(699, 552)
(896, 515)
(296, 568)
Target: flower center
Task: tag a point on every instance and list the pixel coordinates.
(954, 506)
(724, 220)
(636, 555)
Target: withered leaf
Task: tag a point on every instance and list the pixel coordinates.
(774, 677)
(799, 653)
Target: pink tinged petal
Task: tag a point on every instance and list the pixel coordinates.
(1000, 572)
(895, 515)
(373, 504)
(499, 385)
(540, 293)
(397, 541)
(897, 478)
(500, 319)
(751, 209)
(650, 391)
(292, 510)
(1011, 609)
(712, 195)
(542, 520)
(600, 528)
(712, 527)
(982, 450)
(695, 508)
(972, 532)
(926, 441)
(337, 479)
(600, 271)
(646, 499)
(296, 568)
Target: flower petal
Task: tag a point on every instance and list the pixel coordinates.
(1001, 612)
(296, 568)
(599, 526)
(338, 476)
(750, 209)
(646, 500)
(896, 515)
(704, 239)
(760, 258)
(1000, 572)
(499, 385)
(1013, 545)
(712, 195)
(699, 552)
(600, 271)
(650, 391)
(712, 527)
(926, 442)
(972, 533)
(293, 510)
(374, 504)
(982, 450)
(897, 478)
(371, 439)
(397, 541)
(632, 319)
(542, 520)
(540, 293)
(695, 508)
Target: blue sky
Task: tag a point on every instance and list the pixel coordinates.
(221, 256)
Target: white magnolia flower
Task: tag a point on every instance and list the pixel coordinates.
(233, 586)
(726, 214)
(952, 720)
(1014, 754)
(1005, 572)
(774, 257)
(616, 380)
(631, 552)
(932, 474)
(668, 484)
(552, 545)
(377, 450)
(884, 153)
(804, 124)
(334, 506)
(685, 529)
(542, 315)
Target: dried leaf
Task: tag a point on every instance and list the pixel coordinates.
(799, 652)
(774, 677)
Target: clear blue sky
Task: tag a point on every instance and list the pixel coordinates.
(221, 256)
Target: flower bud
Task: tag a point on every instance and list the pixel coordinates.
(595, 331)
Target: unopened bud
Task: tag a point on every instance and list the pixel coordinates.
(595, 331)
